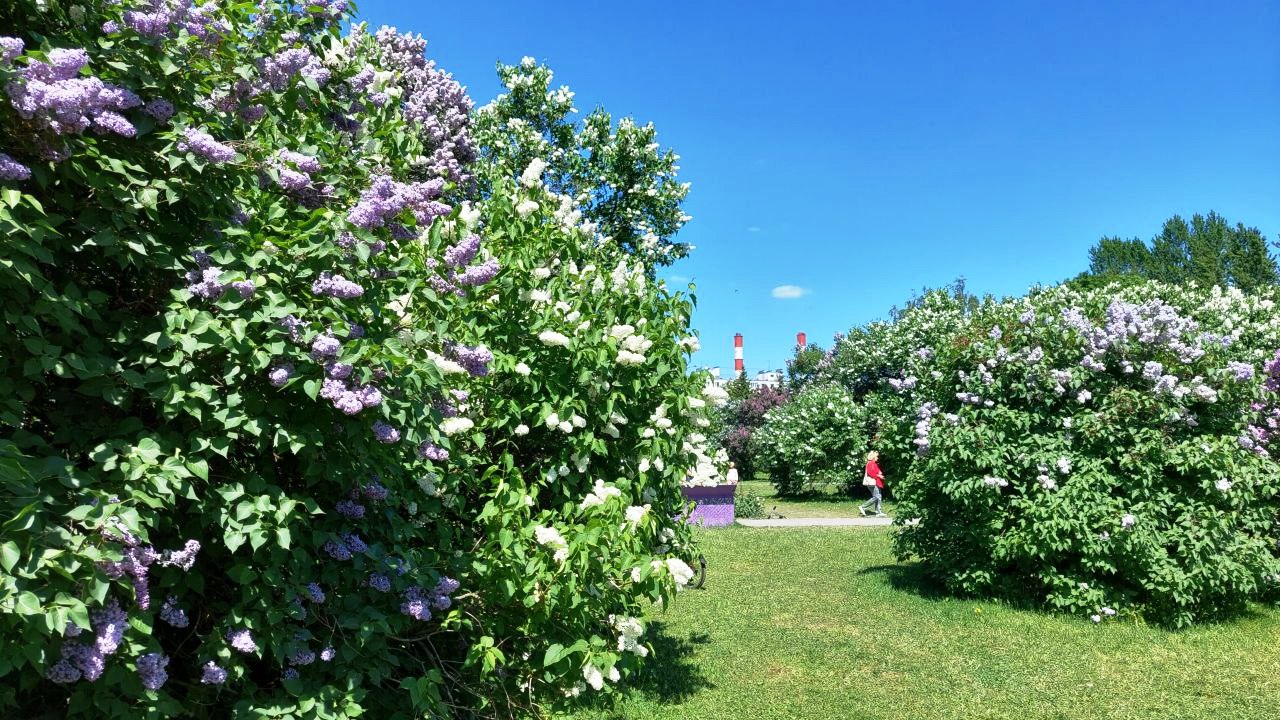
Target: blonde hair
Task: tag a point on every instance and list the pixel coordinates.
(873, 455)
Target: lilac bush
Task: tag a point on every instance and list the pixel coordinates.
(277, 470)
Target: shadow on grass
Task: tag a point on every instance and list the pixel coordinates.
(672, 675)
(911, 578)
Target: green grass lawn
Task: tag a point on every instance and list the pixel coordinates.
(826, 502)
(822, 623)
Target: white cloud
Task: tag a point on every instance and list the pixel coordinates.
(754, 228)
(789, 292)
(678, 280)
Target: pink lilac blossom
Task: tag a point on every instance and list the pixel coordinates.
(336, 286)
(430, 451)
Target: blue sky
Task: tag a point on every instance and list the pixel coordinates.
(860, 151)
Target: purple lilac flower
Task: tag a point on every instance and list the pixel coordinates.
(62, 672)
(280, 374)
(350, 509)
(417, 604)
(336, 286)
(302, 656)
(380, 582)
(160, 109)
(327, 654)
(202, 143)
(433, 101)
(212, 674)
(151, 670)
(374, 490)
(480, 274)
(475, 359)
(12, 47)
(204, 283)
(110, 27)
(184, 558)
(338, 371)
(324, 346)
(279, 69)
(172, 614)
(337, 550)
(460, 255)
(246, 288)
(369, 395)
(354, 543)
(349, 403)
(315, 593)
(253, 113)
(385, 199)
(241, 639)
(290, 674)
(11, 169)
(430, 451)
(58, 98)
(1240, 371)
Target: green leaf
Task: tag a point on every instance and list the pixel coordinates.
(28, 603)
(9, 556)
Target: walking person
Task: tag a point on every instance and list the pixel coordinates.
(873, 479)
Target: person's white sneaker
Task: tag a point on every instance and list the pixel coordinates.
(862, 511)
(879, 514)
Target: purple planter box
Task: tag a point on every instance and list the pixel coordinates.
(712, 505)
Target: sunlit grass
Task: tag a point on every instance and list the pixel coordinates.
(822, 623)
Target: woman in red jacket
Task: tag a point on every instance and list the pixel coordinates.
(873, 479)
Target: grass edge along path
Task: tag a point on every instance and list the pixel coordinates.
(823, 623)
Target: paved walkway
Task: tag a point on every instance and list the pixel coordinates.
(818, 522)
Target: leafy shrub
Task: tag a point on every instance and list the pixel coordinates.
(292, 422)
(1091, 452)
(747, 504)
(741, 418)
(817, 437)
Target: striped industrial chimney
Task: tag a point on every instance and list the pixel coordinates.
(801, 341)
(738, 367)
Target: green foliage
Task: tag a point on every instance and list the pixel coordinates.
(747, 504)
(739, 388)
(804, 366)
(617, 175)
(818, 437)
(1207, 250)
(132, 408)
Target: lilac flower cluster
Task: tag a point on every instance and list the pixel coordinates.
(457, 275)
(1263, 429)
(294, 170)
(165, 18)
(350, 509)
(172, 614)
(345, 395)
(385, 199)
(137, 560)
(433, 101)
(280, 374)
(430, 451)
(202, 143)
(903, 385)
(336, 286)
(89, 661)
(10, 49)
(11, 169)
(419, 603)
(343, 548)
(385, 433)
(279, 69)
(55, 96)
(475, 358)
(160, 109)
(151, 670)
(212, 674)
(374, 490)
(924, 425)
(241, 639)
(380, 582)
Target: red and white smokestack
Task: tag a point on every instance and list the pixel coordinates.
(800, 341)
(738, 367)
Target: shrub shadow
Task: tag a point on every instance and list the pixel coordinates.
(672, 675)
(911, 578)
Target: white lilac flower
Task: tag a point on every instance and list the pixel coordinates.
(1223, 485)
(1128, 521)
(1047, 482)
(522, 429)
(1064, 465)
(522, 369)
(551, 337)
(636, 513)
(1084, 396)
(526, 208)
(532, 175)
(1096, 618)
(455, 425)
(680, 571)
(991, 481)
(599, 495)
(565, 427)
(578, 421)
(539, 296)
(593, 677)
